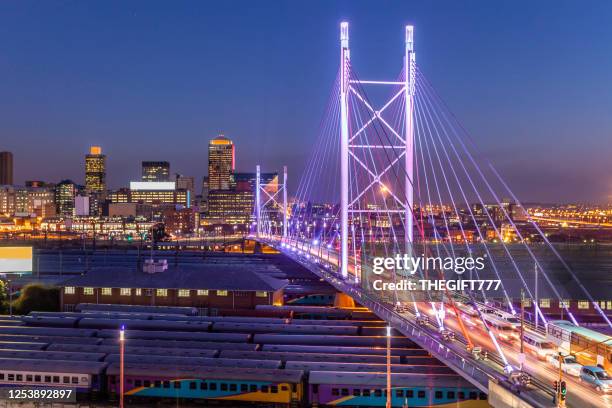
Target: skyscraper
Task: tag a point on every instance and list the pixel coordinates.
(6, 168)
(65, 193)
(155, 171)
(95, 170)
(221, 163)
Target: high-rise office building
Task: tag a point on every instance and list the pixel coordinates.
(157, 193)
(6, 168)
(7, 200)
(95, 170)
(232, 207)
(187, 183)
(65, 193)
(221, 163)
(155, 171)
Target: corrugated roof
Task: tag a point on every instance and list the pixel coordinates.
(234, 274)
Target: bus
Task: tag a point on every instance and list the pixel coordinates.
(589, 347)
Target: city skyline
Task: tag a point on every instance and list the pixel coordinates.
(159, 86)
(297, 204)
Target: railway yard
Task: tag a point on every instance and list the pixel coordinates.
(294, 356)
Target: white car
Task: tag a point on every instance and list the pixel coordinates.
(569, 364)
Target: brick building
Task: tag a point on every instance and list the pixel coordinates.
(213, 284)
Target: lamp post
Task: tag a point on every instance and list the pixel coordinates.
(121, 364)
(388, 405)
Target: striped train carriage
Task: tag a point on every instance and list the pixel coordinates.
(363, 389)
(210, 383)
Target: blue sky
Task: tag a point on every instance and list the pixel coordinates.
(153, 80)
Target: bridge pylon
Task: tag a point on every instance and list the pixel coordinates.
(352, 142)
(270, 198)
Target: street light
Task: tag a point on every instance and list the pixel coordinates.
(388, 405)
(121, 364)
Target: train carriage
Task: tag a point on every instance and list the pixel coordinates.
(194, 361)
(51, 355)
(84, 376)
(294, 328)
(183, 344)
(209, 383)
(309, 339)
(287, 356)
(414, 352)
(308, 366)
(347, 389)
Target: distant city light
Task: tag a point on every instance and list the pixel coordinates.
(152, 185)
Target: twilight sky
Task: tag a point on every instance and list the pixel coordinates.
(153, 80)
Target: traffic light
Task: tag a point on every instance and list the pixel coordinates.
(556, 386)
(563, 390)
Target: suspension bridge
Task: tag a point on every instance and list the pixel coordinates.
(399, 174)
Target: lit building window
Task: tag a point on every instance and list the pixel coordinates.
(126, 291)
(583, 304)
(88, 291)
(564, 303)
(609, 305)
(107, 291)
(183, 292)
(544, 303)
(222, 293)
(138, 292)
(526, 302)
(161, 292)
(202, 292)
(69, 290)
(261, 294)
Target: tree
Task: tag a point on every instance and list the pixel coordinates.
(37, 297)
(3, 297)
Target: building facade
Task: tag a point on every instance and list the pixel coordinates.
(155, 171)
(231, 206)
(6, 168)
(95, 171)
(220, 281)
(65, 193)
(209, 299)
(187, 183)
(7, 200)
(221, 163)
(157, 193)
(179, 220)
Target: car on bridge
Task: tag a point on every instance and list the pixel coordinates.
(539, 346)
(568, 363)
(596, 377)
